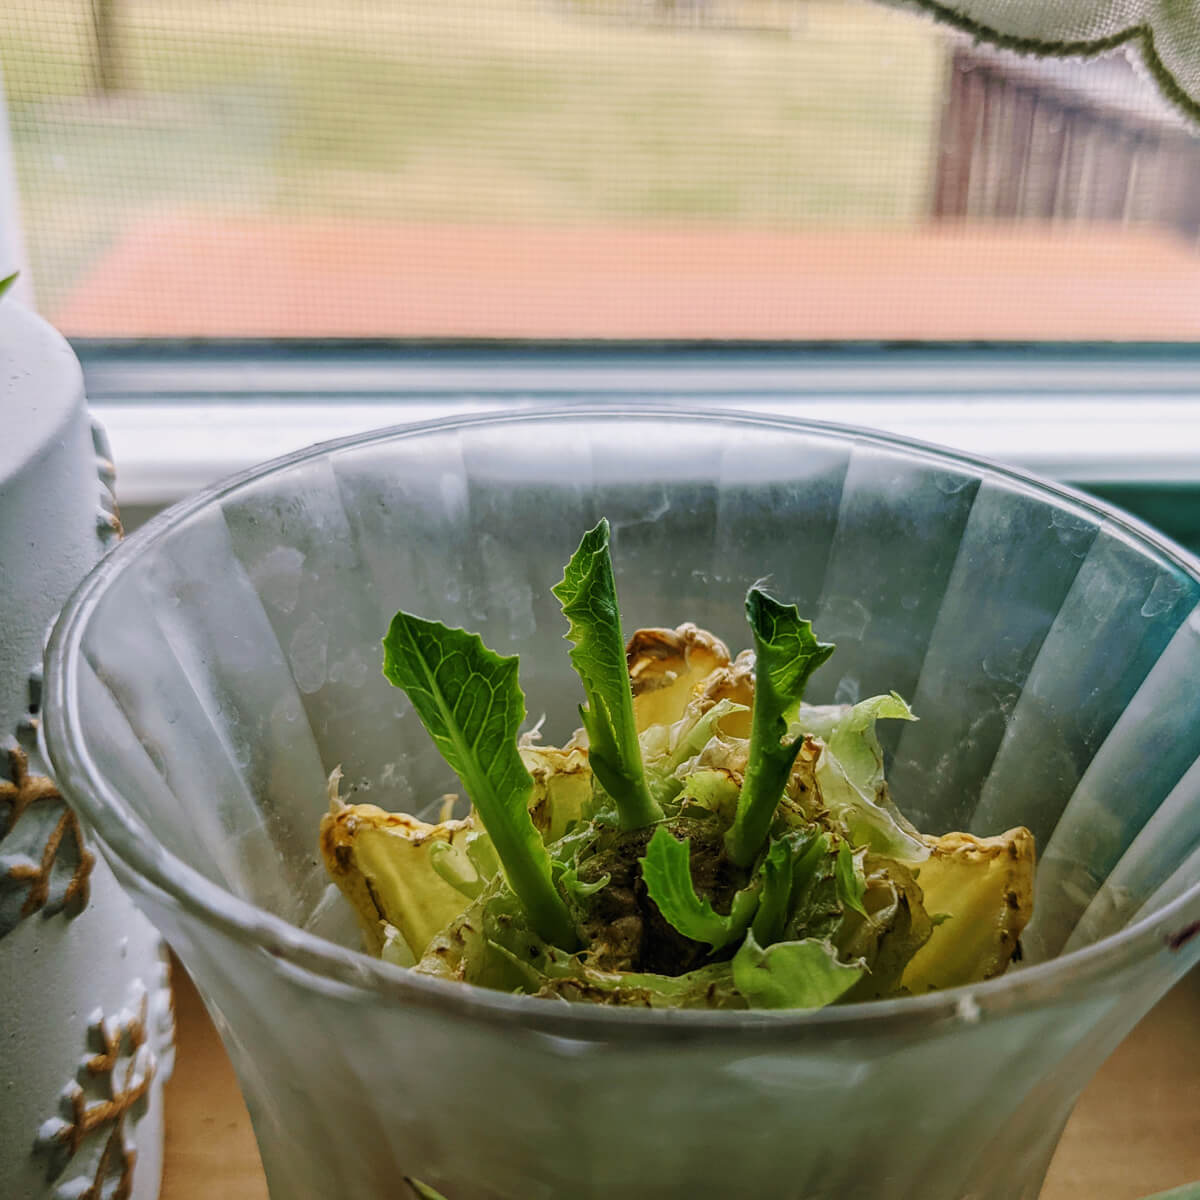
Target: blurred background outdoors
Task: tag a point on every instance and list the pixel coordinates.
(730, 169)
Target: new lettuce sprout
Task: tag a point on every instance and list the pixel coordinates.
(706, 840)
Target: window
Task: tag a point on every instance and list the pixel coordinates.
(564, 169)
(743, 203)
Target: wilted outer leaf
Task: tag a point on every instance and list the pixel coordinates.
(463, 950)
(665, 666)
(381, 862)
(984, 886)
(562, 787)
(734, 683)
(667, 749)
(708, 987)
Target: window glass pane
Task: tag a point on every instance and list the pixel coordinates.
(734, 169)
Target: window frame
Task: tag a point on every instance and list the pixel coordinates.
(1119, 420)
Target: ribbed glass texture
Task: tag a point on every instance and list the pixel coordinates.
(220, 664)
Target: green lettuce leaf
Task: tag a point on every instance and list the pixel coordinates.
(588, 595)
(801, 895)
(817, 910)
(849, 733)
(577, 889)
(454, 866)
(666, 872)
(469, 701)
(775, 902)
(842, 726)
(850, 773)
(551, 973)
(491, 945)
(422, 1190)
(803, 974)
(851, 883)
(786, 655)
(481, 850)
(8, 281)
(712, 789)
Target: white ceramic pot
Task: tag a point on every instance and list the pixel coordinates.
(85, 1004)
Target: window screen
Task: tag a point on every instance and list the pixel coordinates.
(668, 169)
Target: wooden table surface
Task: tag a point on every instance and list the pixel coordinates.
(1136, 1129)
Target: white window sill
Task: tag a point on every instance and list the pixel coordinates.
(176, 426)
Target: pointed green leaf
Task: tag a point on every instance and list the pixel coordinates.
(786, 655)
(775, 903)
(469, 700)
(577, 889)
(588, 595)
(667, 874)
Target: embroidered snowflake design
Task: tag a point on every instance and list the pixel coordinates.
(53, 866)
(110, 1090)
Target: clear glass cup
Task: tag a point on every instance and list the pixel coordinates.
(215, 668)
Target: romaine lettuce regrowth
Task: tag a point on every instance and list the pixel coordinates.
(706, 840)
(588, 595)
(785, 656)
(469, 700)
